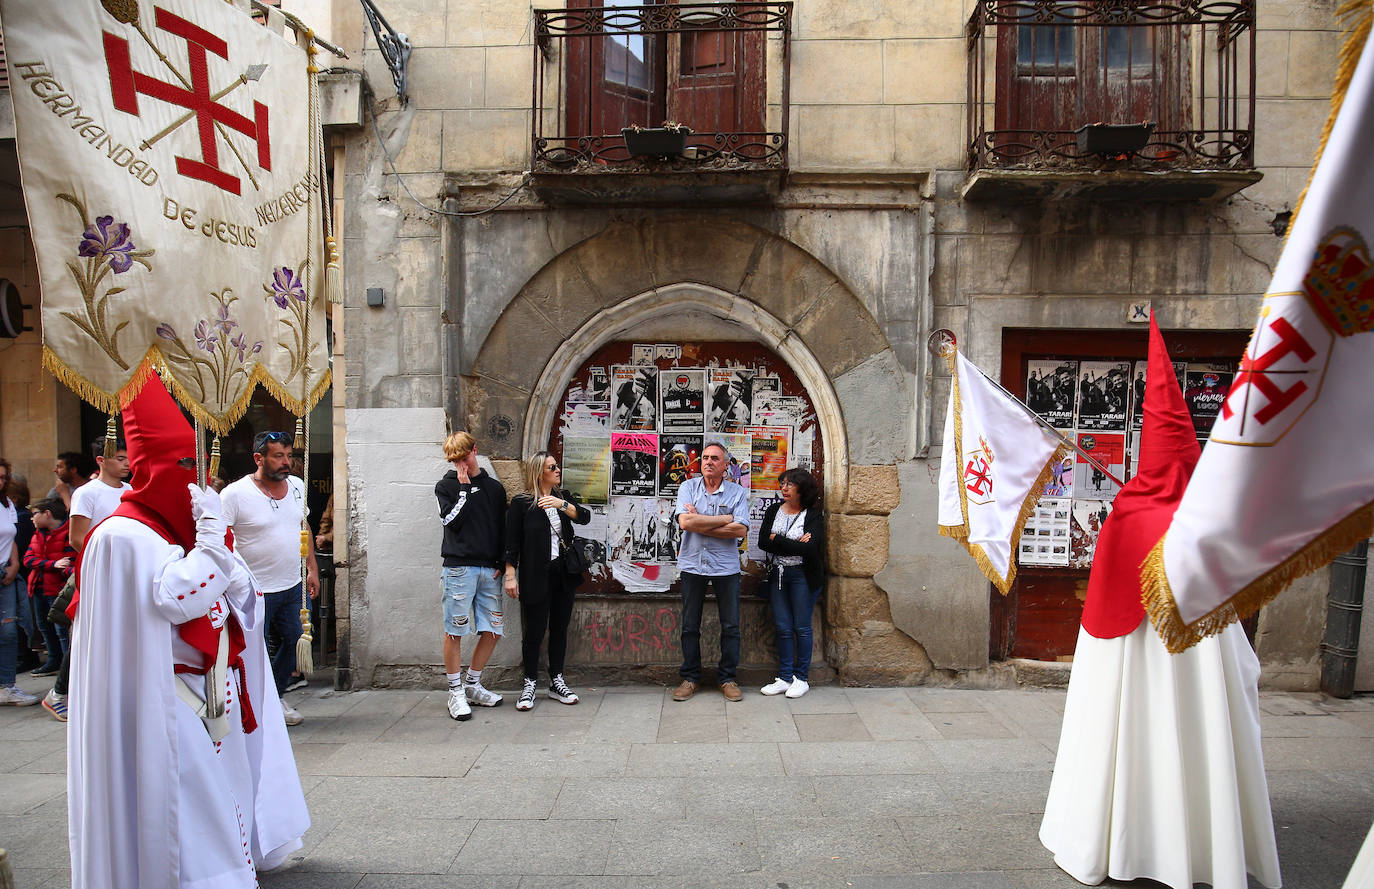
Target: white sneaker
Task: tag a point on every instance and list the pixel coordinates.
(776, 687)
(458, 705)
(482, 697)
(526, 700)
(293, 716)
(15, 696)
(798, 688)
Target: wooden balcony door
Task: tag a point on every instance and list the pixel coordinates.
(710, 80)
(1059, 77)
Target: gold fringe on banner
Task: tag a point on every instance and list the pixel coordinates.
(1158, 596)
(220, 424)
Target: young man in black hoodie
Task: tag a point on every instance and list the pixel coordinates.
(472, 507)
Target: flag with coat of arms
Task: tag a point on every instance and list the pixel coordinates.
(994, 464)
(1286, 482)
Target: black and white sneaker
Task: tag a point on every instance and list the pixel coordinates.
(526, 699)
(559, 691)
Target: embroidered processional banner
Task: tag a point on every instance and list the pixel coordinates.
(170, 157)
(1286, 481)
(994, 464)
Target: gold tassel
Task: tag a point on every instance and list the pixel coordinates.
(213, 471)
(305, 653)
(333, 275)
(111, 438)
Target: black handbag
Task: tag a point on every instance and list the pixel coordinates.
(574, 559)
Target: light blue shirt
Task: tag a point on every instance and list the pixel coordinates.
(703, 554)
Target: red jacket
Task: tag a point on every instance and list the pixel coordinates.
(45, 550)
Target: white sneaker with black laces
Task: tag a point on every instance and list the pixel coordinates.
(458, 705)
(559, 691)
(481, 697)
(526, 700)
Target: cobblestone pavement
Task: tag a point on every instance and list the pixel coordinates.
(872, 788)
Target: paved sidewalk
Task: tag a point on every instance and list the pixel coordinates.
(870, 788)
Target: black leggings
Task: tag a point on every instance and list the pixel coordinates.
(552, 615)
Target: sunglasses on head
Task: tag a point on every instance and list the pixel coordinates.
(263, 438)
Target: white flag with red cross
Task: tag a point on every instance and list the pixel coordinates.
(994, 464)
(1286, 481)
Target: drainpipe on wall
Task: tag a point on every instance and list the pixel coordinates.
(1344, 604)
(452, 317)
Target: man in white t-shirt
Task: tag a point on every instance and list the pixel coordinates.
(92, 503)
(265, 510)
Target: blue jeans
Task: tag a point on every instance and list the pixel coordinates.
(54, 635)
(727, 603)
(282, 614)
(12, 598)
(793, 600)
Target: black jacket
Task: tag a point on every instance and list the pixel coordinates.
(812, 552)
(528, 544)
(472, 516)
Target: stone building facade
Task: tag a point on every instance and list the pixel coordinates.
(472, 302)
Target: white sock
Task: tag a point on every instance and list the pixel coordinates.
(455, 680)
(474, 676)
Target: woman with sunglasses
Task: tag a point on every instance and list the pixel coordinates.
(793, 534)
(538, 536)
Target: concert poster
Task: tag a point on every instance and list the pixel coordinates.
(1045, 539)
(1104, 395)
(769, 447)
(634, 463)
(1138, 395)
(1109, 449)
(1204, 391)
(635, 397)
(1051, 391)
(757, 507)
(679, 458)
(598, 385)
(765, 389)
(633, 528)
(669, 537)
(586, 467)
(1085, 524)
(737, 469)
(681, 399)
(731, 398)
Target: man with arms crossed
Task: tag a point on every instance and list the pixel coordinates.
(472, 508)
(265, 510)
(713, 514)
(91, 503)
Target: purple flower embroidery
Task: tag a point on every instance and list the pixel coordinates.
(165, 331)
(108, 240)
(204, 338)
(223, 324)
(286, 284)
(240, 343)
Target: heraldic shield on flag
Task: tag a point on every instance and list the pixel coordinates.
(171, 160)
(1286, 482)
(995, 461)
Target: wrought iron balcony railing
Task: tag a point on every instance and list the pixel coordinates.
(1054, 85)
(605, 72)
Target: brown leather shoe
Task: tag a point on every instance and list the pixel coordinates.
(685, 690)
(731, 691)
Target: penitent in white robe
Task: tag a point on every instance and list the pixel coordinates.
(153, 803)
(1159, 772)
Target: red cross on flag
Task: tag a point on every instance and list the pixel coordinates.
(995, 462)
(171, 162)
(1286, 482)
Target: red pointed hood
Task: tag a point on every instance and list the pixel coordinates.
(158, 436)
(1145, 506)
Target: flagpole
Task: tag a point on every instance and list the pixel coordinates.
(943, 344)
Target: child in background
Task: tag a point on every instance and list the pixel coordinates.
(50, 559)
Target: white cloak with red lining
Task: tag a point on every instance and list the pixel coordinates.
(153, 803)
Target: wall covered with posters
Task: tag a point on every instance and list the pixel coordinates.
(633, 422)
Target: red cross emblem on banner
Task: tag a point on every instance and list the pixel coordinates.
(1279, 375)
(192, 93)
(978, 477)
